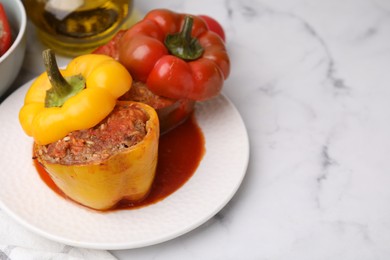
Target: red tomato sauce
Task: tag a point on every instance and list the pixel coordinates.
(179, 154)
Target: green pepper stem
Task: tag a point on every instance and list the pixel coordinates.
(61, 89)
(58, 83)
(182, 44)
(187, 30)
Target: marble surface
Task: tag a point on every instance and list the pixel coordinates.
(311, 79)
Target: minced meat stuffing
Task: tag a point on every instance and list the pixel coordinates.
(123, 128)
(139, 92)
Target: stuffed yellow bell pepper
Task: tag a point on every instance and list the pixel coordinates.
(96, 158)
(79, 97)
(114, 161)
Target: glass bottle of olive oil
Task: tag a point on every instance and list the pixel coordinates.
(74, 27)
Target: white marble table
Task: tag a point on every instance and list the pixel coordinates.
(311, 79)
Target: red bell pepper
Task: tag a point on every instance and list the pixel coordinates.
(111, 48)
(214, 25)
(5, 32)
(177, 55)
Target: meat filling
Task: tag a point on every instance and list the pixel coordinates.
(123, 128)
(139, 92)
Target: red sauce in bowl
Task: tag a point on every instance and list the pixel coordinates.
(180, 152)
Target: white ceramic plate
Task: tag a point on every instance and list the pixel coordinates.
(25, 197)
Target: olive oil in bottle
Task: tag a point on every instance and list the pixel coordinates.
(74, 27)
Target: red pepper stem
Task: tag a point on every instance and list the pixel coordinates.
(61, 88)
(187, 30)
(182, 44)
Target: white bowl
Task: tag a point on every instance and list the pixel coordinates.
(11, 61)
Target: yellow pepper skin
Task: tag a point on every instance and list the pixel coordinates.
(125, 175)
(105, 81)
